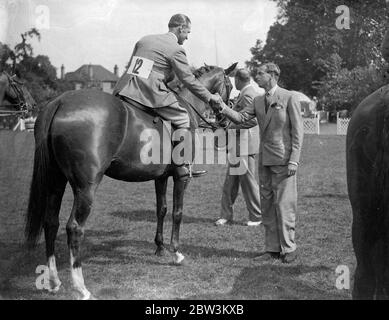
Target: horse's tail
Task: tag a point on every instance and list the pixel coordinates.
(41, 178)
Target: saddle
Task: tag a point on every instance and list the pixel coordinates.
(182, 171)
(129, 103)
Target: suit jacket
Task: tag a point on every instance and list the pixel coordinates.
(250, 136)
(281, 128)
(168, 57)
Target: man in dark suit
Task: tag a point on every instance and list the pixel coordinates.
(245, 148)
(281, 138)
(153, 63)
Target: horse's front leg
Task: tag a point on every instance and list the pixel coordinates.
(178, 204)
(160, 190)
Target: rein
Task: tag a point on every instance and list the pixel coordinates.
(22, 104)
(211, 125)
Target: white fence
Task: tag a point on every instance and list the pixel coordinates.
(311, 125)
(341, 125)
(12, 121)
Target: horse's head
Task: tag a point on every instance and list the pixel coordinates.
(17, 94)
(216, 80)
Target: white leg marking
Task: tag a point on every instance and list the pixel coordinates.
(178, 257)
(54, 282)
(78, 280)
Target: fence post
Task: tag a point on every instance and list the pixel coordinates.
(20, 125)
(337, 123)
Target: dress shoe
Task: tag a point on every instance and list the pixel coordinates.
(267, 257)
(289, 257)
(253, 223)
(222, 222)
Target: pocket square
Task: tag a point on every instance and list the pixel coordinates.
(276, 106)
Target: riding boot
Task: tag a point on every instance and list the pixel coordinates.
(185, 169)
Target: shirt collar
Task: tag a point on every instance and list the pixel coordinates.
(272, 90)
(173, 35)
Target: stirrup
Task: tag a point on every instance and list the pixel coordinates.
(189, 172)
(189, 168)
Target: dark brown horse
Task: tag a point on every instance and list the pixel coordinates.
(82, 136)
(368, 188)
(14, 96)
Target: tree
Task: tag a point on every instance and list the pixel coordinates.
(307, 44)
(39, 75)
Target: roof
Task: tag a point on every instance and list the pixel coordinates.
(99, 73)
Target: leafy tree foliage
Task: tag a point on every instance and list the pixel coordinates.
(38, 73)
(319, 58)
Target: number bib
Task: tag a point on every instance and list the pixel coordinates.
(140, 67)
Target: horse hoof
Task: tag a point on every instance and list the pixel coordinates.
(54, 286)
(83, 295)
(178, 258)
(54, 290)
(160, 252)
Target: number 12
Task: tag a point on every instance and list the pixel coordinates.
(138, 64)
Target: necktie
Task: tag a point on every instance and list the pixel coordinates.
(267, 101)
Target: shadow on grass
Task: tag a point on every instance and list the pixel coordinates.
(122, 249)
(275, 281)
(100, 248)
(151, 216)
(326, 195)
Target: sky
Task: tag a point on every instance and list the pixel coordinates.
(77, 32)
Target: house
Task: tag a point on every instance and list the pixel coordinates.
(92, 76)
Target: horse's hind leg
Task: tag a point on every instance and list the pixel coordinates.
(160, 190)
(385, 258)
(82, 206)
(51, 225)
(178, 204)
(364, 278)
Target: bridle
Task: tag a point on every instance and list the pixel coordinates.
(228, 88)
(21, 102)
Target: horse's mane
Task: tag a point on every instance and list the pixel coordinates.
(176, 84)
(202, 70)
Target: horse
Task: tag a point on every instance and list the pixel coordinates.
(367, 159)
(83, 135)
(367, 163)
(16, 96)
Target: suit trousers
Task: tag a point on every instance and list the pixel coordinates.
(176, 114)
(279, 207)
(250, 191)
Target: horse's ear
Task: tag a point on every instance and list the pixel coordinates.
(230, 69)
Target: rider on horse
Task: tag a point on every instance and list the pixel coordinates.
(154, 61)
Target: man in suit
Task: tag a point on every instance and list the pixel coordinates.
(153, 63)
(245, 147)
(281, 132)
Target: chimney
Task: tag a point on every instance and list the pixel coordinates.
(116, 70)
(90, 71)
(62, 72)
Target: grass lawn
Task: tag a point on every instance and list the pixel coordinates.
(119, 260)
